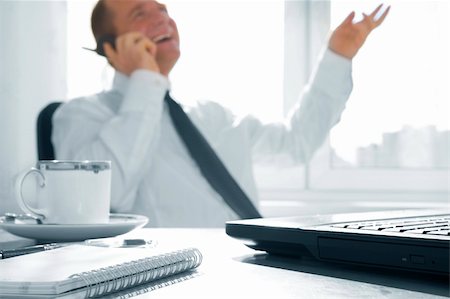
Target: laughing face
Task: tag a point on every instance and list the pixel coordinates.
(152, 19)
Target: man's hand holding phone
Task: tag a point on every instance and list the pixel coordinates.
(132, 51)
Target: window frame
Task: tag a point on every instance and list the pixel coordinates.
(323, 176)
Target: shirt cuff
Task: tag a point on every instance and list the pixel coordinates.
(144, 88)
(334, 74)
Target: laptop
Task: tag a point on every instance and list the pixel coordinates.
(411, 240)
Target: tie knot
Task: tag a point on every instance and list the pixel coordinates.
(167, 97)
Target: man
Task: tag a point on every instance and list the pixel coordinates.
(162, 165)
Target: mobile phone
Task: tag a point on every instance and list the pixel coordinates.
(108, 38)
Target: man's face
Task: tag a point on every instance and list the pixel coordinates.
(150, 18)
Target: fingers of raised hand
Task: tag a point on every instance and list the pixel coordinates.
(365, 25)
(379, 19)
(373, 14)
(376, 18)
(349, 18)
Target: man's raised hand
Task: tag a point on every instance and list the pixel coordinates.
(349, 37)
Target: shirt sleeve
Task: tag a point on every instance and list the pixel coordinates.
(317, 111)
(87, 129)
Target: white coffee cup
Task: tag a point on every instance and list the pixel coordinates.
(71, 192)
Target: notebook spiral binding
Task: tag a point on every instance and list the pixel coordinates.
(111, 279)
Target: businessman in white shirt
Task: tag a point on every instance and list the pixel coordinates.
(136, 125)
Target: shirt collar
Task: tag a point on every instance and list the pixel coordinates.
(120, 82)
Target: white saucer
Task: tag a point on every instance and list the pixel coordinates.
(118, 224)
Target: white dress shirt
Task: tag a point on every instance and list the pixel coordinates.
(152, 172)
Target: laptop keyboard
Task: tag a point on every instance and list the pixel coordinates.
(429, 225)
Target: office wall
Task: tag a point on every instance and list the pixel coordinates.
(32, 73)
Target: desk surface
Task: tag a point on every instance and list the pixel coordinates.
(231, 270)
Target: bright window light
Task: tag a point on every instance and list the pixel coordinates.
(398, 113)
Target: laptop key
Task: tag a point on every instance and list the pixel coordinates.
(355, 226)
(415, 224)
(377, 227)
(439, 232)
(340, 225)
(424, 227)
(420, 231)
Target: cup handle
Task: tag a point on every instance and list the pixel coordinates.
(39, 213)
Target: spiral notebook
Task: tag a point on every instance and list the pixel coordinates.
(79, 271)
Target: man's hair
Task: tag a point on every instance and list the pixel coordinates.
(101, 20)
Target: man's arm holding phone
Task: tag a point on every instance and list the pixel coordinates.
(87, 129)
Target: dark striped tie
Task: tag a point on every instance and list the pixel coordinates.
(209, 163)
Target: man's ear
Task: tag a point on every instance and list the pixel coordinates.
(107, 38)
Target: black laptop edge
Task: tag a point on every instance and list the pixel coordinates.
(311, 236)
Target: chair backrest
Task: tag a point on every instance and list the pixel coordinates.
(44, 128)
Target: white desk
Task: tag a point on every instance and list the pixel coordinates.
(231, 270)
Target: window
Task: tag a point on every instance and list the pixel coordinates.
(401, 95)
(394, 134)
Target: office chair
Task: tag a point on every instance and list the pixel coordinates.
(44, 128)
